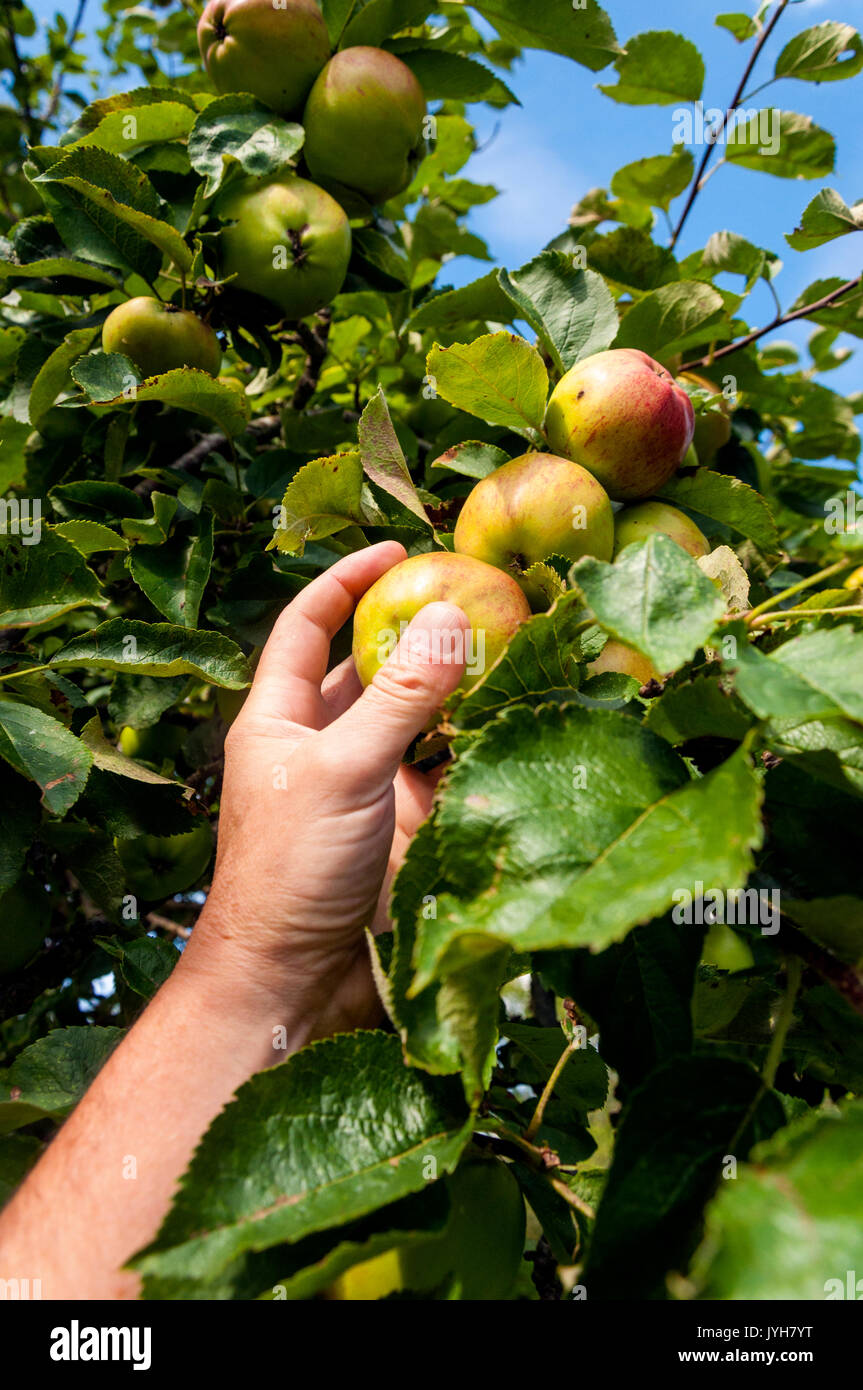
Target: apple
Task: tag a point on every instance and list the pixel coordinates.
(532, 507)
(644, 519)
(855, 579)
(618, 657)
(364, 123)
(290, 242)
(476, 1257)
(158, 337)
(25, 913)
(712, 427)
(725, 949)
(156, 866)
(275, 51)
(154, 744)
(492, 602)
(621, 415)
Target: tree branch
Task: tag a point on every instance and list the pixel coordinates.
(57, 89)
(776, 323)
(723, 125)
(315, 341)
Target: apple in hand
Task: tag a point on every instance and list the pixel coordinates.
(364, 123)
(622, 416)
(290, 242)
(532, 507)
(645, 519)
(275, 51)
(492, 602)
(158, 337)
(618, 657)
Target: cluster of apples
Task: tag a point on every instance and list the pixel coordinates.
(287, 239)
(620, 425)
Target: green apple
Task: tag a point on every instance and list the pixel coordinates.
(477, 1256)
(158, 865)
(154, 744)
(158, 337)
(364, 123)
(535, 506)
(621, 415)
(273, 50)
(725, 949)
(855, 579)
(25, 914)
(645, 519)
(492, 602)
(618, 657)
(712, 427)
(290, 242)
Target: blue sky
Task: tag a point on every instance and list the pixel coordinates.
(567, 137)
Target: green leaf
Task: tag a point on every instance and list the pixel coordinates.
(452, 77)
(791, 1225)
(185, 388)
(816, 54)
(473, 459)
(499, 377)
(106, 376)
(571, 310)
(19, 819)
(655, 180)
(582, 1085)
(727, 500)
(791, 147)
(40, 582)
(43, 750)
(323, 498)
(136, 102)
(482, 300)
(673, 1137)
(630, 258)
(584, 34)
(143, 964)
(698, 709)
(18, 1153)
(742, 26)
(654, 598)
(825, 218)
(156, 649)
(252, 598)
(835, 923)
(174, 575)
(237, 127)
(152, 530)
(671, 318)
(119, 200)
(108, 758)
(382, 457)
(294, 1153)
(129, 128)
(53, 375)
(51, 1076)
(567, 827)
(375, 20)
(90, 537)
(815, 676)
(658, 68)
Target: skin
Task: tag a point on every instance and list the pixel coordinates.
(647, 518)
(364, 123)
(532, 507)
(622, 416)
(291, 242)
(304, 865)
(616, 656)
(494, 604)
(713, 428)
(158, 337)
(276, 54)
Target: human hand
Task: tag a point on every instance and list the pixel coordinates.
(316, 810)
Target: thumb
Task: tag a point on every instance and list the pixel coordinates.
(424, 669)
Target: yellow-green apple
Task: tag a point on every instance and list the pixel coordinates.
(532, 507)
(158, 337)
(475, 1258)
(290, 242)
(492, 602)
(618, 657)
(622, 416)
(712, 427)
(645, 519)
(273, 50)
(364, 123)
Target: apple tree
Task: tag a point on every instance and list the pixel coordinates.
(622, 1042)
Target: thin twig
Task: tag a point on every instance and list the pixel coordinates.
(57, 89)
(776, 599)
(536, 1119)
(157, 920)
(816, 304)
(793, 976)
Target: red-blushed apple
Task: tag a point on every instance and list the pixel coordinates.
(273, 50)
(645, 519)
(492, 602)
(290, 242)
(158, 337)
(618, 657)
(622, 416)
(364, 123)
(712, 427)
(535, 506)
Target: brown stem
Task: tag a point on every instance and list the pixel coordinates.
(315, 342)
(776, 323)
(735, 102)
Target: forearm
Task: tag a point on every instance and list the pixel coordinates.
(102, 1188)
